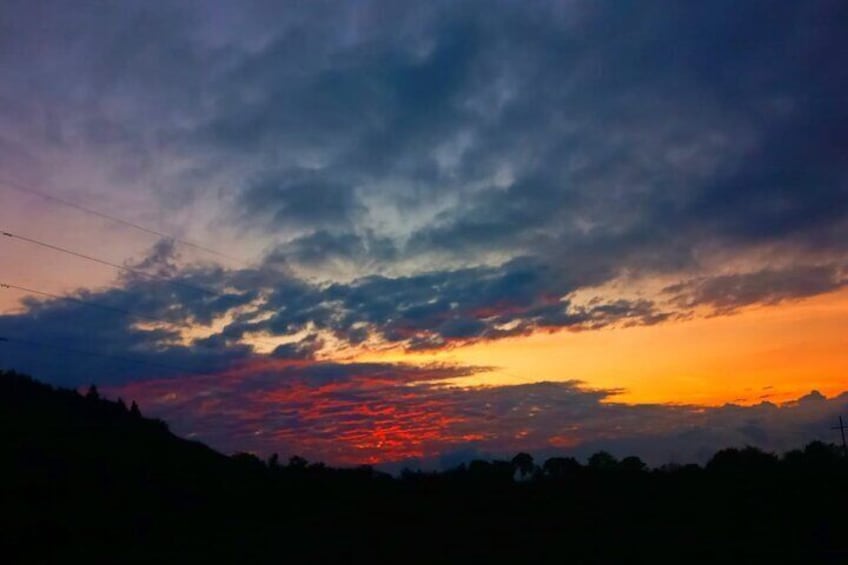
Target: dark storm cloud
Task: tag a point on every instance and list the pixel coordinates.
(437, 308)
(432, 309)
(594, 135)
(300, 199)
(628, 135)
(726, 293)
(655, 127)
(142, 318)
(303, 349)
(571, 143)
(328, 246)
(156, 288)
(73, 344)
(119, 334)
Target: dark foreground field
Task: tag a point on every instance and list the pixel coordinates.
(85, 480)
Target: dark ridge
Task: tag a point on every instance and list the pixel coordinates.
(88, 480)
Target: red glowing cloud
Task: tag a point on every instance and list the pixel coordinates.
(376, 413)
(348, 414)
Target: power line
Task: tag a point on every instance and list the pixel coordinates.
(29, 190)
(103, 307)
(109, 263)
(79, 301)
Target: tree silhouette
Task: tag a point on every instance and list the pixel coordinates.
(561, 467)
(274, 461)
(602, 461)
(71, 467)
(523, 464)
(297, 462)
(747, 460)
(248, 461)
(632, 464)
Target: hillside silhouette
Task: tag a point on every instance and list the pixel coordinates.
(90, 480)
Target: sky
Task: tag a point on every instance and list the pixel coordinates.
(415, 233)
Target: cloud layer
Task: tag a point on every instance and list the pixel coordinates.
(380, 413)
(595, 136)
(416, 177)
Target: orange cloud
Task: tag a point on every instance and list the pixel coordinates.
(781, 351)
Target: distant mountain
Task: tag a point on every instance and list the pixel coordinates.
(89, 480)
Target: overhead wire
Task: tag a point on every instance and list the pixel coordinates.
(23, 188)
(78, 301)
(108, 263)
(20, 187)
(107, 307)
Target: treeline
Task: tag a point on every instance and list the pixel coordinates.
(817, 458)
(85, 479)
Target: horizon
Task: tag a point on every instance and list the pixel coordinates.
(126, 412)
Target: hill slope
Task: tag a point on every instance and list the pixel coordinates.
(88, 480)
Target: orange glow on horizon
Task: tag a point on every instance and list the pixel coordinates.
(773, 353)
(777, 353)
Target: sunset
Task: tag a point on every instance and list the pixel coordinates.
(365, 232)
(389, 281)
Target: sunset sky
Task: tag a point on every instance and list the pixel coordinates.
(420, 232)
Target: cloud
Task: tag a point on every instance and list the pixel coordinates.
(371, 407)
(300, 199)
(324, 248)
(203, 318)
(594, 136)
(303, 349)
(727, 293)
(370, 413)
(421, 176)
